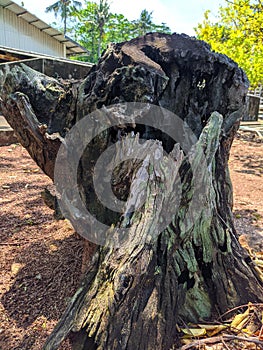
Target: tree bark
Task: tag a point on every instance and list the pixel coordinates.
(133, 295)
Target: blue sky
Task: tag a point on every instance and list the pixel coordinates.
(181, 16)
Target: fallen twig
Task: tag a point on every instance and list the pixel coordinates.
(218, 339)
(239, 307)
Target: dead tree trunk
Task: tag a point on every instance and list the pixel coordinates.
(134, 294)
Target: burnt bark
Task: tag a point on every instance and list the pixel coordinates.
(134, 294)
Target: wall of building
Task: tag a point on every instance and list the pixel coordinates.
(16, 33)
(58, 67)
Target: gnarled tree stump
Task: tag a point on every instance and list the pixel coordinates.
(133, 295)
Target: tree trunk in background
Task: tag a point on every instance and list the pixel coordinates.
(133, 295)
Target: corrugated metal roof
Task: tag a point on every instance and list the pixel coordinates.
(71, 46)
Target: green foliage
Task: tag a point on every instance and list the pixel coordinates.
(238, 34)
(94, 26)
(145, 25)
(97, 27)
(64, 8)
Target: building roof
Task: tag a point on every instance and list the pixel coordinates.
(8, 54)
(72, 47)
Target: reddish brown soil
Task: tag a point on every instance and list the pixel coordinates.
(41, 258)
(246, 169)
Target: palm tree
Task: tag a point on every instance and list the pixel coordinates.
(102, 17)
(93, 19)
(144, 23)
(64, 8)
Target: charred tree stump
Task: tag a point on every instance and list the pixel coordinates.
(135, 293)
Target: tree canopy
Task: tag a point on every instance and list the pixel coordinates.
(238, 33)
(64, 8)
(97, 26)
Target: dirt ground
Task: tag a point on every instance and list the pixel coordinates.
(41, 258)
(246, 169)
